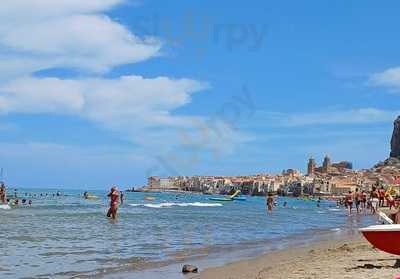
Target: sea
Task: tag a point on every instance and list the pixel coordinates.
(67, 236)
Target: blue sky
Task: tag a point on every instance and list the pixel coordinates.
(112, 91)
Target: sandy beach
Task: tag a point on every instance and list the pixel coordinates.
(354, 258)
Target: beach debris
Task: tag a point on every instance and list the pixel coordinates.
(187, 268)
(345, 247)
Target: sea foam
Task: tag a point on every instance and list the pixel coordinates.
(5, 206)
(172, 204)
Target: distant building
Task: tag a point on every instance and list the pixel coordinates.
(329, 168)
(311, 167)
(343, 165)
(326, 165)
(153, 182)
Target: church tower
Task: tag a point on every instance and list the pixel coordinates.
(311, 166)
(327, 164)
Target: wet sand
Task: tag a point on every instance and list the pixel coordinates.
(354, 258)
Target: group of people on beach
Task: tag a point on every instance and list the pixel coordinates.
(360, 199)
(363, 201)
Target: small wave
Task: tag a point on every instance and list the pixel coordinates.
(336, 230)
(334, 209)
(5, 206)
(172, 204)
(135, 205)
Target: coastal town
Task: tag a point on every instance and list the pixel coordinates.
(328, 179)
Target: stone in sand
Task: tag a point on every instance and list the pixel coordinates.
(187, 268)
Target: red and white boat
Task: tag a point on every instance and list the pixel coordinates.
(384, 237)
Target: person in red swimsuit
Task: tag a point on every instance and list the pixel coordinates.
(349, 201)
(114, 202)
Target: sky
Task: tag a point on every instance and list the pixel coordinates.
(101, 92)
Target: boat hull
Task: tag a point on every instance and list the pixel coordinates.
(220, 199)
(385, 238)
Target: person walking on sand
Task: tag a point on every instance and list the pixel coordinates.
(364, 201)
(270, 202)
(349, 201)
(374, 197)
(382, 194)
(358, 198)
(114, 200)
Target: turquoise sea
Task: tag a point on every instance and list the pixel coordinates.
(67, 236)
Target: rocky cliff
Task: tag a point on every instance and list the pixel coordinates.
(394, 159)
(395, 153)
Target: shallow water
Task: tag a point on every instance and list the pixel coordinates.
(65, 236)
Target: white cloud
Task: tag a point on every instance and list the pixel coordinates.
(27, 9)
(45, 34)
(74, 34)
(388, 78)
(338, 117)
(37, 35)
(113, 102)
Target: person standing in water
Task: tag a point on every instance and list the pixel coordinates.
(382, 194)
(364, 201)
(2, 192)
(114, 201)
(358, 199)
(374, 196)
(270, 202)
(349, 201)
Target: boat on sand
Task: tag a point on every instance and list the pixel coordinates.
(384, 237)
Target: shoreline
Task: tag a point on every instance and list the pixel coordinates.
(333, 259)
(226, 260)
